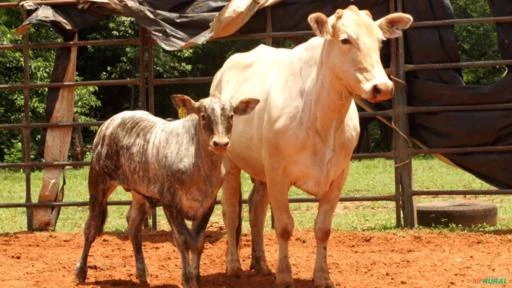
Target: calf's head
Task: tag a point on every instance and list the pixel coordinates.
(215, 117)
(353, 42)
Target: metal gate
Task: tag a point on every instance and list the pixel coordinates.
(402, 151)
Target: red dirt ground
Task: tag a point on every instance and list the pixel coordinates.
(417, 258)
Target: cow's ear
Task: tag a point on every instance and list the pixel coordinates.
(184, 104)
(319, 24)
(393, 24)
(246, 106)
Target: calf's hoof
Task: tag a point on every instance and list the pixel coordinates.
(234, 270)
(191, 284)
(284, 285)
(80, 274)
(326, 284)
(141, 275)
(284, 282)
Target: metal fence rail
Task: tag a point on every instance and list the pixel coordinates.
(402, 152)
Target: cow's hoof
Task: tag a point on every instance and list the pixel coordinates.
(323, 282)
(80, 274)
(260, 267)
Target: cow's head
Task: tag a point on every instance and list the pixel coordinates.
(215, 117)
(353, 45)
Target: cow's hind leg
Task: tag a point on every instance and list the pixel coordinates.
(258, 203)
(197, 243)
(100, 188)
(326, 206)
(136, 218)
(231, 214)
(182, 238)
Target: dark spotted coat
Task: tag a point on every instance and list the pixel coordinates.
(176, 163)
(158, 159)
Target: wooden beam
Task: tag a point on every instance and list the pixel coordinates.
(60, 108)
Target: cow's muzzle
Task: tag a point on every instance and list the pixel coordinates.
(219, 145)
(380, 92)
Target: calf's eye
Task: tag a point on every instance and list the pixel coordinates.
(203, 117)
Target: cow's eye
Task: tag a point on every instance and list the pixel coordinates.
(345, 41)
(231, 116)
(203, 117)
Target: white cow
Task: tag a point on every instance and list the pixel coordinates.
(305, 128)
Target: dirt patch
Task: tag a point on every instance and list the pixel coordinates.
(417, 258)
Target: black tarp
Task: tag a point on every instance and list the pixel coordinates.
(446, 88)
(174, 24)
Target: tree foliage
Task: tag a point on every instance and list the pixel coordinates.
(477, 42)
(41, 63)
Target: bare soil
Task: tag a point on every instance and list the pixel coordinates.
(417, 258)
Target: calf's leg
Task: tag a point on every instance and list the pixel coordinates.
(100, 188)
(136, 218)
(231, 214)
(182, 237)
(258, 203)
(197, 243)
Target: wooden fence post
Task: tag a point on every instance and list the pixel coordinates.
(61, 109)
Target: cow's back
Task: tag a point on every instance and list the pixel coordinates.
(281, 130)
(135, 147)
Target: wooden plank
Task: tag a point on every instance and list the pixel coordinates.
(61, 108)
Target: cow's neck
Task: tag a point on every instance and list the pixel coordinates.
(330, 101)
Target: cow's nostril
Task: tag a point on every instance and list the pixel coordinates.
(220, 143)
(376, 90)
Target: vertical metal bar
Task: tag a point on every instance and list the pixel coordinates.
(142, 69)
(393, 47)
(403, 165)
(268, 40)
(151, 97)
(26, 130)
(150, 76)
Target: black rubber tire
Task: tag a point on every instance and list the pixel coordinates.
(465, 213)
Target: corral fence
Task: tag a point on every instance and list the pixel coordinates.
(397, 117)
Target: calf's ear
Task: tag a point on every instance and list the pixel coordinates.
(181, 101)
(393, 24)
(246, 106)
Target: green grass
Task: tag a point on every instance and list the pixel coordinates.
(366, 178)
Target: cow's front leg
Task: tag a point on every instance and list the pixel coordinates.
(231, 214)
(258, 203)
(326, 206)
(278, 196)
(182, 238)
